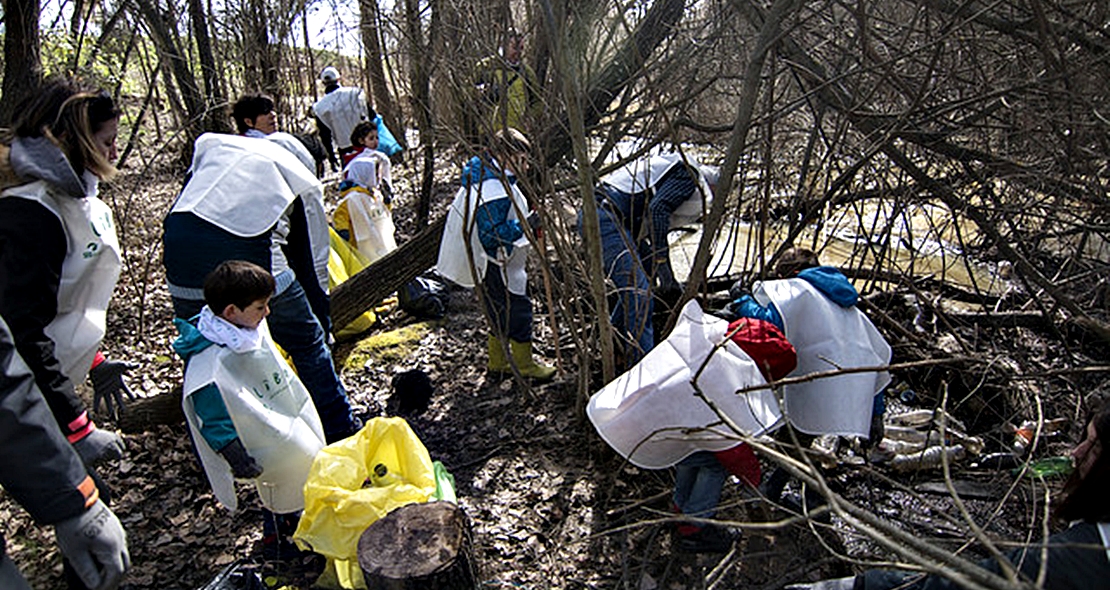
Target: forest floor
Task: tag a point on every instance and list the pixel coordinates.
(551, 506)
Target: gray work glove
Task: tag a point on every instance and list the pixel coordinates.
(668, 287)
(99, 446)
(108, 385)
(96, 545)
(243, 466)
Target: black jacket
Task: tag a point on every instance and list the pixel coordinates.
(37, 466)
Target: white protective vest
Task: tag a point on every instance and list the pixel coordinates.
(273, 415)
(643, 174)
(454, 263)
(315, 214)
(371, 223)
(89, 273)
(342, 109)
(650, 414)
(827, 337)
(243, 185)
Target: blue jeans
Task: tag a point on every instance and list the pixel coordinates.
(296, 330)
(698, 480)
(511, 314)
(624, 265)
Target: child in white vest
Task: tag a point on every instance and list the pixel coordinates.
(249, 414)
(363, 217)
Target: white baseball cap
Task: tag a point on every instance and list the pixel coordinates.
(329, 74)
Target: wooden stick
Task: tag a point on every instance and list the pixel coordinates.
(550, 301)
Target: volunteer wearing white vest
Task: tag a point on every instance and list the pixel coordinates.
(484, 228)
(254, 117)
(650, 414)
(363, 216)
(59, 254)
(816, 309)
(249, 413)
(1078, 557)
(638, 205)
(235, 206)
(337, 113)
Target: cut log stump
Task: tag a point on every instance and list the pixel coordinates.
(418, 547)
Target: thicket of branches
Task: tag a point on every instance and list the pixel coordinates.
(894, 132)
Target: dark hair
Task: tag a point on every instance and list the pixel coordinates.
(236, 282)
(250, 106)
(794, 261)
(1084, 496)
(69, 115)
(361, 131)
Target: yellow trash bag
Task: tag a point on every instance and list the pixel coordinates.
(337, 506)
(343, 262)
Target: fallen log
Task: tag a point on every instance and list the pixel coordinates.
(145, 413)
(377, 281)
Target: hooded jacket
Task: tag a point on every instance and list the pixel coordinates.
(484, 214)
(817, 312)
(59, 263)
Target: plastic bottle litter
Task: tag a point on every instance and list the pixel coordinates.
(1023, 435)
(1049, 467)
(382, 476)
(928, 459)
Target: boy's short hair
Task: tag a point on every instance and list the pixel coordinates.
(361, 131)
(794, 261)
(237, 282)
(250, 106)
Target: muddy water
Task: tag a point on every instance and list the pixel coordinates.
(921, 243)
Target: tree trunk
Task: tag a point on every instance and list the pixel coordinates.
(370, 19)
(144, 414)
(215, 119)
(419, 547)
(161, 24)
(622, 69)
(22, 63)
(375, 282)
(420, 83)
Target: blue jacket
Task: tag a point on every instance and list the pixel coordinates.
(495, 229)
(829, 281)
(216, 425)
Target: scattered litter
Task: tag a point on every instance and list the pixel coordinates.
(1023, 435)
(912, 441)
(1050, 467)
(929, 458)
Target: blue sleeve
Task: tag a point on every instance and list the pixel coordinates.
(748, 307)
(495, 229)
(216, 426)
(673, 190)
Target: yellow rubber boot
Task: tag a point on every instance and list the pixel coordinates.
(498, 362)
(522, 358)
